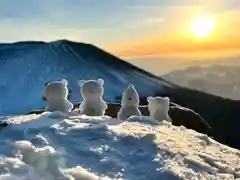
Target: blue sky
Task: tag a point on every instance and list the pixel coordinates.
(101, 22)
(81, 20)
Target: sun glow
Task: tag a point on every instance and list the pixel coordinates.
(202, 27)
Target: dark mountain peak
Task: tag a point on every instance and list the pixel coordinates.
(35, 63)
(104, 56)
(67, 42)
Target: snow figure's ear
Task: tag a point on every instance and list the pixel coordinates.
(81, 82)
(131, 86)
(46, 83)
(167, 100)
(64, 81)
(150, 99)
(100, 81)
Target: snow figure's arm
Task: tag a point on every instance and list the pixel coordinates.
(120, 114)
(70, 106)
(81, 107)
(47, 107)
(139, 112)
(104, 105)
(169, 118)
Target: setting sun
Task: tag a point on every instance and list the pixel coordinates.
(202, 27)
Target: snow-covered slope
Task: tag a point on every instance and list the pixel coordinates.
(52, 147)
(25, 67)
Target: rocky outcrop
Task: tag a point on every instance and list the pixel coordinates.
(3, 125)
(182, 116)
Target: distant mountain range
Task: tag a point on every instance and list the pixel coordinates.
(219, 80)
(26, 66)
(161, 65)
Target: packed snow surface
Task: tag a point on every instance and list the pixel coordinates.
(55, 146)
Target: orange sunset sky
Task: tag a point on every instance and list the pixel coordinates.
(127, 28)
(172, 35)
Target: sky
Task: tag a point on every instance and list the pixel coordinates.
(126, 28)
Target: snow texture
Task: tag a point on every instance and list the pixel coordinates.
(92, 93)
(159, 107)
(129, 104)
(57, 146)
(27, 66)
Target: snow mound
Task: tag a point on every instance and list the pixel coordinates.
(56, 146)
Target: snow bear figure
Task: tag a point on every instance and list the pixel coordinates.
(158, 108)
(56, 93)
(130, 103)
(92, 93)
